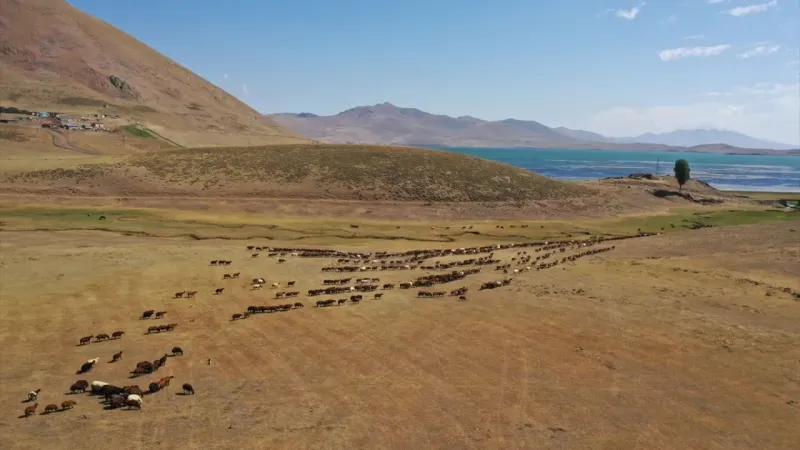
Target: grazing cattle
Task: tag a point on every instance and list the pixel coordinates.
(97, 386)
(79, 386)
(134, 401)
(298, 305)
(191, 294)
(110, 390)
(133, 390)
(116, 357)
(153, 329)
(188, 389)
(254, 255)
(117, 334)
(153, 387)
(341, 301)
(147, 314)
(68, 404)
(116, 401)
(31, 410)
(85, 340)
(213, 263)
(226, 276)
(102, 337)
(462, 298)
(378, 296)
(87, 367)
(290, 283)
(179, 294)
(51, 408)
(236, 275)
(281, 260)
(142, 368)
(218, 291)
(177, 351)
(33, 395)
(160, 314)
(236, 316)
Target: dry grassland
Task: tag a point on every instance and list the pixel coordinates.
(669, 341)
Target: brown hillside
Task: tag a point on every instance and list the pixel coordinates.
(344, 172)
(57, 58)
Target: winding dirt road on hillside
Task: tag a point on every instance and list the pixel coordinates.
(62, 141)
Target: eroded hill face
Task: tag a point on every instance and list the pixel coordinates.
(54, 57)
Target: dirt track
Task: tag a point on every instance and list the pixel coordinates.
(612, 351)
(62, 141)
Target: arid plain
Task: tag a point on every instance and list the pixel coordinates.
(683, 337)
(686, 339)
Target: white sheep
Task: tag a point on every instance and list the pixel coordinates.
(93, 360)
(275, 285)
(135, 397)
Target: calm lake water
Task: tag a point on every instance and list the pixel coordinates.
(725, 172)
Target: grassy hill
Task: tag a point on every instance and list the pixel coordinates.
(54, 57)
(344, 172)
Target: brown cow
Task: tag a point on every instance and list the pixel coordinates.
(218, 291)
(117, 356)
(86, 340)
(51, 408)
(31, 410)
(68, 404)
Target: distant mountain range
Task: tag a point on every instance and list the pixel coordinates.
(389, 124)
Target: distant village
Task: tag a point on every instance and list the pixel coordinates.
(50, 120)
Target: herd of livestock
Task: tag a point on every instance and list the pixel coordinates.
(541, 256)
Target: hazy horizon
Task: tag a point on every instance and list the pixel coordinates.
(618, 68)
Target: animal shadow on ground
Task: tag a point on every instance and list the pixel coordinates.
(182, 393)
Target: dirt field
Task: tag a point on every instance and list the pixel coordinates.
(668, 341)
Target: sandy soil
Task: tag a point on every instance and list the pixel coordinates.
(665, 342)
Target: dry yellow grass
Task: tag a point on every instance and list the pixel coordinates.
(347, 172)
(667, 342)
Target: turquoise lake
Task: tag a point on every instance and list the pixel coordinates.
(778, 173)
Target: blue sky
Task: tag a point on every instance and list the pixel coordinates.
(618, 67)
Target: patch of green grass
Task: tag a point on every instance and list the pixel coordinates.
(202, 225)
(137, 130)
(682, 220)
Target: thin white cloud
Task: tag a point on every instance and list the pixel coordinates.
(742, 11)
(245, 91)
(694, 37)
(761, 50)
(719, 94)
(685, 52)
(629, 14)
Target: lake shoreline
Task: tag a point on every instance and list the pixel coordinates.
(773, 173)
